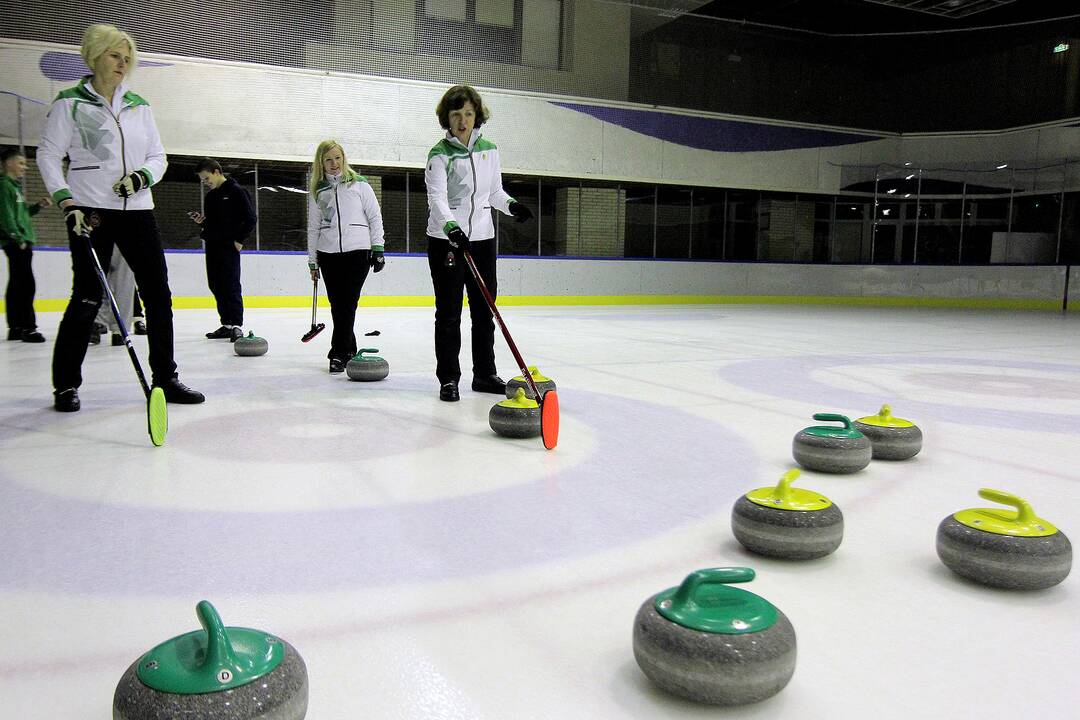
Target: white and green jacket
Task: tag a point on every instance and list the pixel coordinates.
(105, 143)
(463, 184)
(343, 216)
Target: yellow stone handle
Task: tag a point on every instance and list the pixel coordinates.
(782, 490)
(885, 412)
(1024, 513)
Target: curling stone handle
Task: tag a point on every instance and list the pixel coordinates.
(782, 489)
(1024, 513)
(885, 412)
(710, 576)
(834, 417)
(219, 651)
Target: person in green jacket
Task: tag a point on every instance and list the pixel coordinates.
(17, 238)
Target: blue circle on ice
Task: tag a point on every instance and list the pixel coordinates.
(791, 378)
(664, 470)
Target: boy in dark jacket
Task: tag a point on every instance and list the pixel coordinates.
(229, 218)
(17, 238)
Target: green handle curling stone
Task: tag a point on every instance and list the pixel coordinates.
(711, 643)
(218, 671)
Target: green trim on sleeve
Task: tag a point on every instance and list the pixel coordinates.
(483, 144)
(377, 248)
(450, 226)
(61, 195)
(131, 99)
(447, 149)
(147, 176)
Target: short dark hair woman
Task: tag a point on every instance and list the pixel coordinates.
(464, 182)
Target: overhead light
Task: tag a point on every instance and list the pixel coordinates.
(890, 191)
(908, 195)
(1061, 47)
(910, 176)
(295, 190)
(886, 211)
(1002, 166)
(854, 208)
(267, 187)
(907, 164)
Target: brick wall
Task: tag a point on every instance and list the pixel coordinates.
(591, 220)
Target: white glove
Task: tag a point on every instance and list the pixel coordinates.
(76, 220)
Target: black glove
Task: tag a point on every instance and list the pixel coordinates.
(520, 212)
(76, 220)
(377, 260)
(129, 185)
(457, 238)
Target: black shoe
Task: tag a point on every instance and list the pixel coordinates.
(32, 336)
(337, 365)
(14, 334)
(96, 332)
(179, 393)
(448, 392)
(491, 384)
(67, 400)
(220, 334)
(117, 339)
(140, 327)
(235, 334)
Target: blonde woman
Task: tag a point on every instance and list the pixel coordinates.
(464, 183)
(345, 238)
(109, 134)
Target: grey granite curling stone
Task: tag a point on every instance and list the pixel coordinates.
(712, 643)
(831, 449)
(212, 673)
(367, 368)
(543, 384)
(892, 438)
(518, 417)
(1008, 549)
(787, 522)
(251, 345)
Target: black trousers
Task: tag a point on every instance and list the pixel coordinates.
(20, 288)
(344, 275)
(449, 279)
(135, 234)
(223, 277)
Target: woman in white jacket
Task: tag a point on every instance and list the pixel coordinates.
(345, 238)
(115, 153)
(464, 182)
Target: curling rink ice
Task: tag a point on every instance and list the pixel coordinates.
(426, 568)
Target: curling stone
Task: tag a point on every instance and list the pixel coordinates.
(212, 673)
(712, 643)
(543, 384)
(1004, 548)
(367, 368)
(831, 449)
(892, 438)
(518, 417)
(251, 345)
(787, 522)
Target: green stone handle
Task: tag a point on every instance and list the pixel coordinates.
(1024, 513)
(219, 651)
(684, 596)
(834, 417)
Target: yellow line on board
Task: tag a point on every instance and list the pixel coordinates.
(299, 301)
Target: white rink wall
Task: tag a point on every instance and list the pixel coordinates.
(282, 279)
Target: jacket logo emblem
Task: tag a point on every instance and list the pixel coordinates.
(94, 220)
